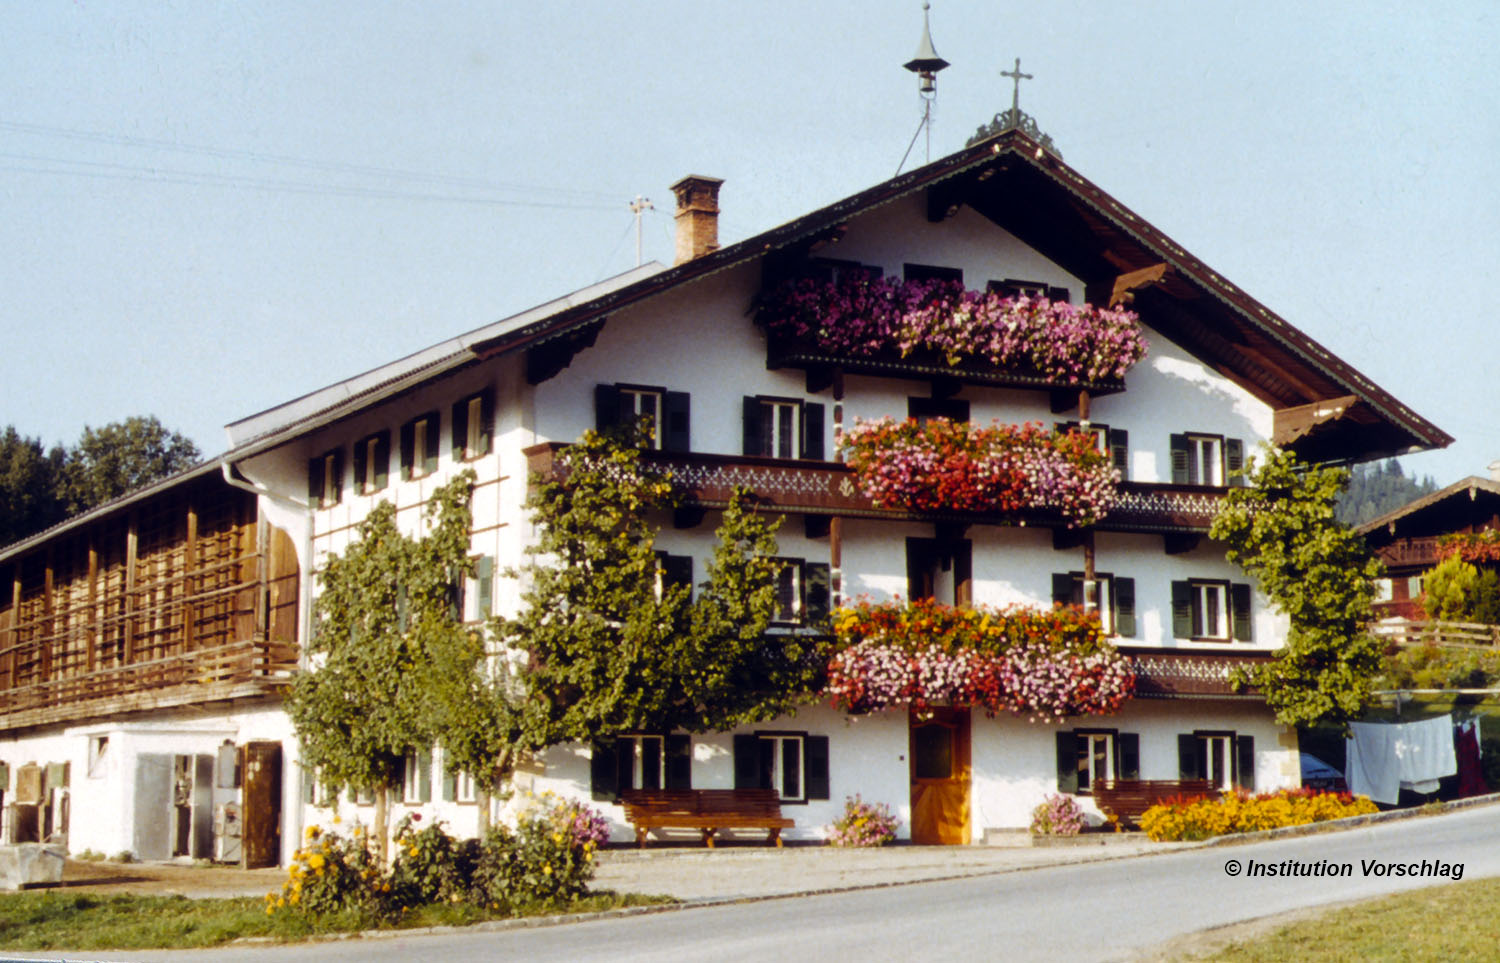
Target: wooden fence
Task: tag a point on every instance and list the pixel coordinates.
(1458, 635)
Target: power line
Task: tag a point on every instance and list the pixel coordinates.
(289, 160)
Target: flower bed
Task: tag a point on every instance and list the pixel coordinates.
(865, 316)
(1239, 812)
(1047, 665)
(863, 824)
(1477, 548)
(1002, 469)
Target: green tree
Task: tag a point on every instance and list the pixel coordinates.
(120, 457)
(384, 617)
(29, 499)
(1456, 591)
(1282, 531)
(609, 645)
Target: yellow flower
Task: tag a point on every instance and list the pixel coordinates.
(547, 869)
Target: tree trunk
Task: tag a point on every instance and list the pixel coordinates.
(382, 816)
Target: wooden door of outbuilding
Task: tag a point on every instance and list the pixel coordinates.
(260, 763)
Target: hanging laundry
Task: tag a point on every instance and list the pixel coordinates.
(1383, 757)
(1470, 773)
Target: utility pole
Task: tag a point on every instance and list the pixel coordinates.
(637, 207)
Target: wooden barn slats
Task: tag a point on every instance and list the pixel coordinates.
(186, 589)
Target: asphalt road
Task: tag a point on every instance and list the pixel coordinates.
(1094, 911)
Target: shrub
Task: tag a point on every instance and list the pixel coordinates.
(863, 824)
(1239, 812)
(1057, 815)
(428, 867)
(547, 858)
(330, 873)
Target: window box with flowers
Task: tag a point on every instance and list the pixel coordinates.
(1046, 665)
(942, 465)
(934, 326)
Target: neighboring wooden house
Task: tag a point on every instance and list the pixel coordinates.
(1223, 375)
(1407, 539)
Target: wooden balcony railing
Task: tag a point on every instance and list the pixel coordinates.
(226, 671)
(828, 488)
(1421, 551)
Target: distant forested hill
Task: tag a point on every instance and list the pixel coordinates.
(1378, 488)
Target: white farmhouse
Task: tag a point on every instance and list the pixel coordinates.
(142, 645)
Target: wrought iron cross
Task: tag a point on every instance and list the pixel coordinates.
(1015, 97)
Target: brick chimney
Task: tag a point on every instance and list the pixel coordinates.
(697, 216)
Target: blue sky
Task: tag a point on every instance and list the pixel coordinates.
(209, 209)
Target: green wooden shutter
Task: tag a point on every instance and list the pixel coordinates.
(315, 482)
(1128, 755)
(679, 750)
(403, 609)
(812, 431)
(1239, 611)
(1189, 765)
(1234, 461)
(1119, 451)
(746, 762)
(1067, 762)
(603, 774)
(815, 749)
(450, 780)
(1124, 594)
(361, 449)
(4, 777)
(816, 592)
(424, 776)
(1182, 461)
(606, 407)
(677, 570)
(484, 576)
(1182, 610)
(1244, 762)
(459, 429)
(430, 456)
(309, 786)
(408, 443)
(382, 460)
(751, 434)
(676, 429)
(1062, 588)
(336, 483)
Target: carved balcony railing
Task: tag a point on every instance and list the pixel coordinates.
(828, 488)
(1167, 674)
(1422, 551)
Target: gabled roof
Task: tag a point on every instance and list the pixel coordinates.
(1325, 408)
(1469, 501)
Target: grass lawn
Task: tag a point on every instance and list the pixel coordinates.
(77, 921)
(1460, 921)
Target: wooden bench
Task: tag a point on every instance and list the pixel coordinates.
(1125, 800)
(706, 810)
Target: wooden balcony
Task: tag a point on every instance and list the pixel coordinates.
(828, 488)
(1177, 674)
(1419, 552)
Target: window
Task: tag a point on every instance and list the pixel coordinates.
(473, 419)
(923, 410)
(783, 428)
(419, 446)
(640, 761)
(325, 479)
(458, 786)
(416, 777)
(372, 463)
(1114, 442)
(802, 592)
(1207, 610)
(940, 568)
(931, 272)
(1085, 756)
(484, 587)
(1226, 758)
(1116, 599)
(622, 405)
(1385, 590)
(1014, 288)
(673, 570)
(1414, 587)
(795, 764)
(1199, 459)
(98, 757)
(837, 270)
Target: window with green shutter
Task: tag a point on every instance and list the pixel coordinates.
(795, 764)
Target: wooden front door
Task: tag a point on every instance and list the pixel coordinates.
(939, 754)
(260, 764)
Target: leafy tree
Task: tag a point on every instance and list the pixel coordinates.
(609, 646)
(1283, 532)
(120, 457)
(29, 500)
(385, 608)
(1456, 591)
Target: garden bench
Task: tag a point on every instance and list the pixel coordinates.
(1125, 800)
(706, 810)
